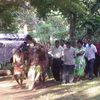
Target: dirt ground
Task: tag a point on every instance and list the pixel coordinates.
(83, 90)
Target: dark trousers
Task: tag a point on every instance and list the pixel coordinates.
(86, 67)
(91, 67)
(97, 65)
(68, 73)
(56, 68)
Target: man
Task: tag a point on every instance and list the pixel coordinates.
(97, 62)
(69, 64)
(57, 53)
(90, 54)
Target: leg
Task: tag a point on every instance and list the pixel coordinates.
(71, 73)
(21, 79)
(55, 69)
(60, 70)
(91, 64)
(31, 79)
(17, 79)
(64, 74)
(96, 66)
(86, 67)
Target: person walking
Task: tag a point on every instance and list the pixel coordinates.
(69, 64)
(18, 63)
(90, 54)
(80, 61)
(97, 61)
(57, 53)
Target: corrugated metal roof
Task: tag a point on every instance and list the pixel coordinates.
(9, 36)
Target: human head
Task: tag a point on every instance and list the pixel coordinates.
(68, 44)
(57, 43)
(62, 42)
(29, 39)
(89, 41)
(18, 51)
(36, 58)
(79, 43)
(85, 41)
(48, 43)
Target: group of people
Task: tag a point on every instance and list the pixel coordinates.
(29, 61)
(67, 63)
(75, 63)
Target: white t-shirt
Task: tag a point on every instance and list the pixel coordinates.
(57, 52)
(69, 56)
(90, 51)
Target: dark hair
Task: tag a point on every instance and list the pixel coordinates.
(80, 41)
(56, 41)
(68, 43)
(28, 37)
(62, 40)
(48, 42)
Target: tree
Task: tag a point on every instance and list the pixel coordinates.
(69, 8)
(80, 13)
(8, 19)
(90, 25)
(52, 28)
(8, 14)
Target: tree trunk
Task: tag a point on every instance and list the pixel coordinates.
(72, 29)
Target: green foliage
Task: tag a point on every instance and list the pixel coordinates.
(87, 17)
(90, 25)
(54, 27)
(8, 19)
(65, 7)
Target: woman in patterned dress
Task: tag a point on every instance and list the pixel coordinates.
(80, 61)
(34, 72)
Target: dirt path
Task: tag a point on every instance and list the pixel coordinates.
(9, 91)
(84, 90)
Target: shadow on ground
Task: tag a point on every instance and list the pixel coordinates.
(83, 90)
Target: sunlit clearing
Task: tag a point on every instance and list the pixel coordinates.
(2, 85)
(91, 92)
(93, 83)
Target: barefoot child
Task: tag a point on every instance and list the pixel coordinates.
(18, 67)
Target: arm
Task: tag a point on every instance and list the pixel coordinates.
(52, 52)
(74, 52)
(14, 59)
(22, 58)
(37, 77)
(62, 52)
(80, 53)
(95, 49)
(38, 73)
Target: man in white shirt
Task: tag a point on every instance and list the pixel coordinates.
(90, 54)
(57, 53)
(69, 64)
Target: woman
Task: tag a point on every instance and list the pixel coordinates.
(43, 61)
(34, 72)
(80, 61)
(18, 62)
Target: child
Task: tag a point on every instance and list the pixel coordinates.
(18, 67)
